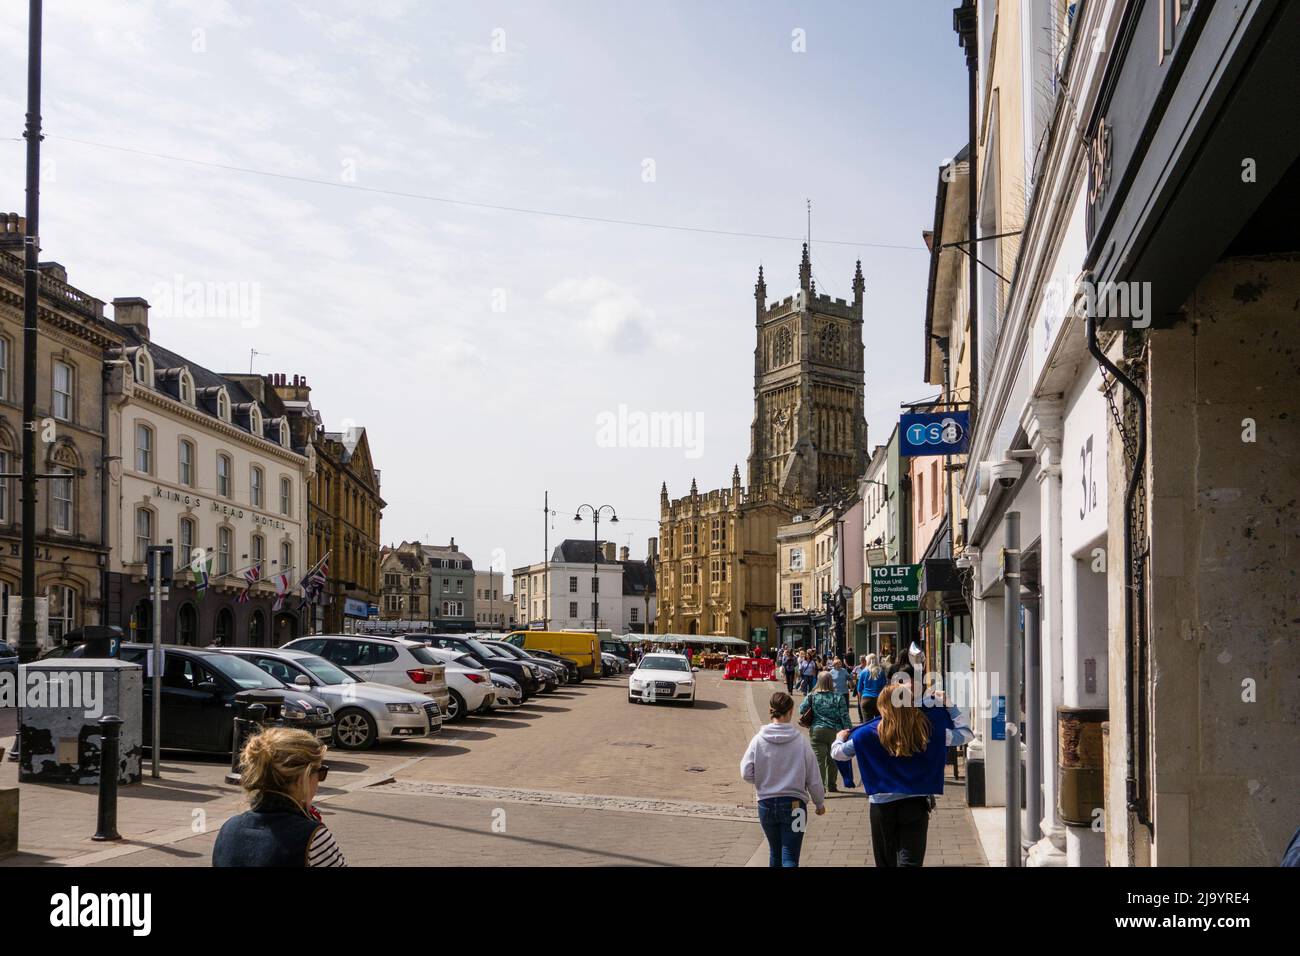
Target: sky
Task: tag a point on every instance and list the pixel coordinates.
(452, 219)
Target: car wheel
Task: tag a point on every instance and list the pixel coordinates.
(455, 708)
(691, 702)
(354, 730)
(631, 699)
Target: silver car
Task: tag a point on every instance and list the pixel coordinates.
(364, 712)
(509, 693)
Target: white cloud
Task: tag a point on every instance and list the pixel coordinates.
(612, 317)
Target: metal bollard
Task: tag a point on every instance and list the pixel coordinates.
(110, 735)
(243, 729)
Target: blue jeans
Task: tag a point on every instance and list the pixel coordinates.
(777, 817)
(846, 771)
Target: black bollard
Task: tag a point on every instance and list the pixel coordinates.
(244, 728)
(110, 735)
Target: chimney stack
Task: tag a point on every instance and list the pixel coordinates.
(652, 550)
(624, 553)
(132, 312)
(607, 548)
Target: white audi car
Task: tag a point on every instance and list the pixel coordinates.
(469, 685)
(662, 676)
(364, 712)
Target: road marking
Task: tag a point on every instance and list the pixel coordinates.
(580, 801)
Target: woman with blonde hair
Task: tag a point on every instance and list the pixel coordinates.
(871, 679)
(901, 756)
(281, 769)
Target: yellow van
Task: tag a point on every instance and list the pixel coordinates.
(581, 647)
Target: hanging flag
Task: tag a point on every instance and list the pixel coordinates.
(281, 582)
(201, 570)
(252, 574)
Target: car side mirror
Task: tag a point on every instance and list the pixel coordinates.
(302, 680)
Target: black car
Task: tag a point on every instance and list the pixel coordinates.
(530, 677)
(575, 672)
(8, 658)
(198, 699)
(554, 667)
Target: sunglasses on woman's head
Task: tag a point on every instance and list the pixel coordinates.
(322, 771)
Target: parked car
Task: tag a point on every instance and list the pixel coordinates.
(617, 647)
(508, 691)
(662, 676)
(198, 699)
(8, 658)
(384, 660)
(365, 712)
(504, 647)
(570, 666)
(612, 664)
(528, 675)
(469, 684)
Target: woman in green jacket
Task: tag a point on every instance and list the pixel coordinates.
(830, 716)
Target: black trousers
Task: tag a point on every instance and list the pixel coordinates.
(789, 682)
(898, 831)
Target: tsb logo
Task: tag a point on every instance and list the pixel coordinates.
(945, 432)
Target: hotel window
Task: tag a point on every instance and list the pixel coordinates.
(223, 475)
(223, 405)
(185, 471)
(286, 497)
(255, 421)
(61, 500)
(573, 609)
(187, 387)
(143, 368)
(143, 533)
(259, 554)
(284, 433)
(286, 556)
(143, 449)
(186, 538)
(796, 597)
(4, 367)
(255, 483)
(62, 391)
(223, 551)
(573, 585)
(4, 487)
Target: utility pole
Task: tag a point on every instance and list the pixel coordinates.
(31, 303)
(156, 678)
(546, 561)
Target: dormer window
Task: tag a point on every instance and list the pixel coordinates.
(144, 367)
(255, 421)
(284, 433)
(187, 387)
(223, 405)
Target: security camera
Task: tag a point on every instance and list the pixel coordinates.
(1005, 473)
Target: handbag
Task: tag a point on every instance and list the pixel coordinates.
(806, 717)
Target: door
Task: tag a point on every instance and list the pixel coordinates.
(183, 704)
(215, 714)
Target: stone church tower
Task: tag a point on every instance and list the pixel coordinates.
(808, 438)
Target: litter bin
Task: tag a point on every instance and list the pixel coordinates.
(60, 704)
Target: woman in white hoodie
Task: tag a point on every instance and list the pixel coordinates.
(780, 763)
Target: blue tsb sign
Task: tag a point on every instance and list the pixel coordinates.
(933, 433)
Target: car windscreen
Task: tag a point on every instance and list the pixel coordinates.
(665, 664)
(324, 671)
(245, 674)
(422, 655)
(481, 649)
(506, 650)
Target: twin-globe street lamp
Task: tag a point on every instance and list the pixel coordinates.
(595, 555)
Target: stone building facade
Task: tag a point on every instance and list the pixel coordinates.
(718, 563)
(344, 506)
(71, 538)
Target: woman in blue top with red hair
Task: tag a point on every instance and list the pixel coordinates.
(901, 756)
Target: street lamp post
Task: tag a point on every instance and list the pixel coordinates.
(595, 554)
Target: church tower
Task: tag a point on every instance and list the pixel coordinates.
(808, 437)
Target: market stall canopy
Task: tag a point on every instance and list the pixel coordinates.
(687, 639)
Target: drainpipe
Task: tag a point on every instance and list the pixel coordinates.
(1136, 737)
(965, 21)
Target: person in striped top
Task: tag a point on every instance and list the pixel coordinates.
(280, 771)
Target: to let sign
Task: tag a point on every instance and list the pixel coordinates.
(895, 587)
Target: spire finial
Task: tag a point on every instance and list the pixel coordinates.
(805, 270)
(859, 284)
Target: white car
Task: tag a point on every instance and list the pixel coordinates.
(469, 685)
(662, 676)
(364, 712)
(383, 660)
(508, 691)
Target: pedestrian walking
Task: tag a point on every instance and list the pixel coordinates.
(807, 673)
(788, 667)
(780, 764)
(870, 682)
(900, 757)
(280, 771)
(840, 679)
(830, 715)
